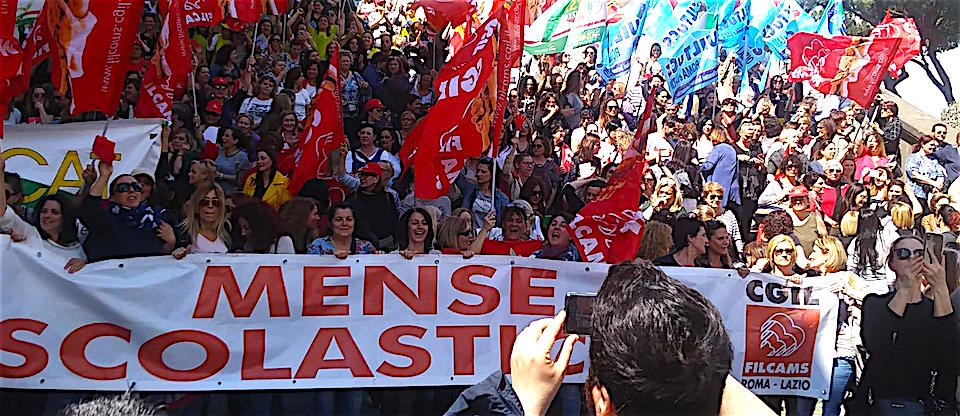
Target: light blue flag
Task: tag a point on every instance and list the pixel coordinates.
(691, 63)
(761, 14)
(789, 19)
(620, 40)
(668, 25)
(832, 23)
(733, 17)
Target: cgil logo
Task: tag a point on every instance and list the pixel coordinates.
(779, 341)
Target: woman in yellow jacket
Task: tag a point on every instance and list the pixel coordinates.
(266, 183)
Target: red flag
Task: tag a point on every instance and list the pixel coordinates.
(609, 228)
(522, 248)
(11, 55)
(156, 97)
(104, 149)
(459, 124)
(324, 128)
(848, 66)
(203, 12)
(246, 11)
(440, 13)
(906, 31)
(508, 56)
(95, 40)
(277, 7)
(176, 55)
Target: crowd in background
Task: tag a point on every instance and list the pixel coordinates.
(789, 184)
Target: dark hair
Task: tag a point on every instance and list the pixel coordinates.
(811, 178)
(265, 226)
(396, 140)
(830, 126)
(403, 228)
(776, 223)
(238, 135)
(683, 229)
(341, 205)
(638, 303)
(892, 106)
(848, 199)
(68, 223)
(526, 191)
(868, 229)
(13, 180)
(223, 55)
(290, 80)
(512, 210)
(272, 154)
(935, 125)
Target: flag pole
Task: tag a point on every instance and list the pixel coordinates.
(253, 50)
(193, 81)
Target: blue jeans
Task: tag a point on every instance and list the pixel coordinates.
(842, 371)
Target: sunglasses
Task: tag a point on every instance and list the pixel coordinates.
(611, 107)
(219, 87)
(783, 251)
(129, 187)
(538, 145)
(833, 170)
(210, 202)
(905, 253)
(538, 192)
(714, 197)
(467, 233)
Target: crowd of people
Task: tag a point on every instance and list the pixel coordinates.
(790, 184)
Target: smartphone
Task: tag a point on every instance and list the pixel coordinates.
(933, 241)
(579, 307)
(951, 268)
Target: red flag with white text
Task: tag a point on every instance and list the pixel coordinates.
(904, 29)
(323, 131)
(176, 55)
(95, 40)
(609, 228)
(203, 12)
(848, 66)
(440, 13)
(511, 47)
(459, 124)
(246, 11)
(11, 54)
(156, 96)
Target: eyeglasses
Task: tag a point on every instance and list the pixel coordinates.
(904, 253)
(210, 202)
(129, 187)
(783, 251)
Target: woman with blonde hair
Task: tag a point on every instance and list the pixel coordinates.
(713, 197)
(657, 241)
(901, 215)
(204, 221)
(781, 259)
(830, 259)
(666, 197)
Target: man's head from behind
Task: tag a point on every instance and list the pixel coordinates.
(657, 346)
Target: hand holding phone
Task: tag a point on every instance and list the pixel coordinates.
(579, 308)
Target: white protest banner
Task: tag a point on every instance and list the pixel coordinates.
(54, 155)
(225, 322)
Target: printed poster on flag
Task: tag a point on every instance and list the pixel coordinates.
(848, 66)
(691, 63)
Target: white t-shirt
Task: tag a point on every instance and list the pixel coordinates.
(203, 245)
(11, 222)
(256, 108)
(300, 101)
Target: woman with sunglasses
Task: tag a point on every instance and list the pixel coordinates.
(788, 176)
(204, 222)
(713, 197)
(55, 232)
(911, 337)
(666, 200)
(34, 107)
(456, 234)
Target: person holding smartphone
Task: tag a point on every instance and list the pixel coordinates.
(911, 337)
